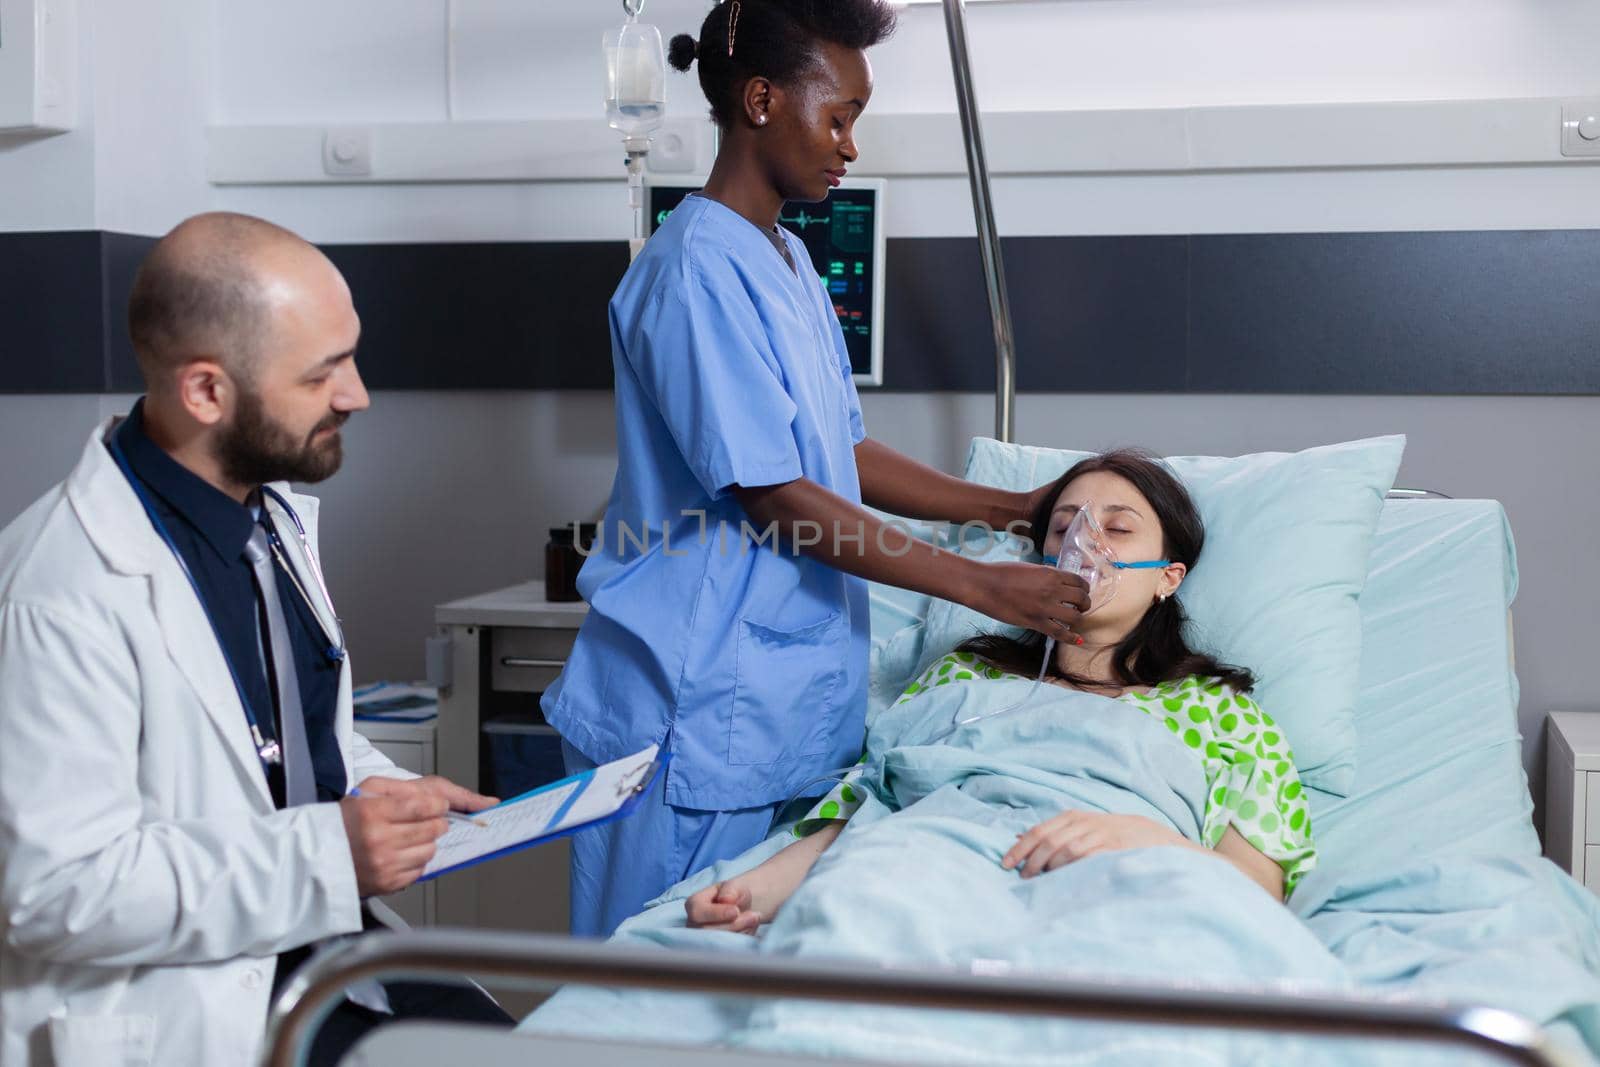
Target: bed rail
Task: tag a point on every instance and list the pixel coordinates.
(1398, 493)
(541, 961)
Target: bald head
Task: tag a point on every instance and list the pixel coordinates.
(213, 289)
(247, 339)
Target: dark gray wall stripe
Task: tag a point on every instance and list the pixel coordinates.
(1406, 313)
(50, 315)
(484, 316)
(1480, 312)
(1091, 314)
(121, 255)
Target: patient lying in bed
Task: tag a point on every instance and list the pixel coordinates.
(1031, 838)
(1017, 844)
(1128, 649)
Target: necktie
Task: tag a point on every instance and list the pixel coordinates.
(300, 781)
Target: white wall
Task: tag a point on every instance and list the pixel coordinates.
(47, 183)
(517, 463)
(151, 67)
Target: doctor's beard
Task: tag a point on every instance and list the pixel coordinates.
(255, 448)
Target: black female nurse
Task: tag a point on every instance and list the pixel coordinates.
(728, 602)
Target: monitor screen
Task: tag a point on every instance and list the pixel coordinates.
(844, 235)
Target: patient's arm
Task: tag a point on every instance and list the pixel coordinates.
(1072, 835)
(745, 901)
(1259, 868)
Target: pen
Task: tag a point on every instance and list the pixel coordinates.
(453, 816)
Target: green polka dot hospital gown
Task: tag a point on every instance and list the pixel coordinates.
(1251, 783)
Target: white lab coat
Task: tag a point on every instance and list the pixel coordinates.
(146, 880)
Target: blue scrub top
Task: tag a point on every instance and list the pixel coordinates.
(750, 664)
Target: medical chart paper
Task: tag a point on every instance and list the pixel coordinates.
(545, 813)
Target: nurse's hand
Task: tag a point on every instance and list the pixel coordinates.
(392, 835)
(1033, 503)
(725, 906)
(1032, 596)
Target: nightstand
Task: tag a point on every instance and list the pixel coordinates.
(410, 746)
(503, 649)
(1572, 795)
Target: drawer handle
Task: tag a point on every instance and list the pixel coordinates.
(520, 661)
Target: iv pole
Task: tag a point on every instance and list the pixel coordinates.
(994, 272)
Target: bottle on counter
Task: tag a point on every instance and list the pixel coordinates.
(562, 560)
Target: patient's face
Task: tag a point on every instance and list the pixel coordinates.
(1133, 532)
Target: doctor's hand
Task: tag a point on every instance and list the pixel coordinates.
(1072, 835)
(392, 834)
(1033, 596)
(459, 797)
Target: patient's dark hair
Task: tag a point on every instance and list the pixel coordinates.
(1155, 650)
(773, 39)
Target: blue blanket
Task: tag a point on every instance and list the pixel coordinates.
(915, 880)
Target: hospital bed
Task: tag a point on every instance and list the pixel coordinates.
(1440, 782)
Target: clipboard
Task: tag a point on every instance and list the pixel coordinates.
(593, 798)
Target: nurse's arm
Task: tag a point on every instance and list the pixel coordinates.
(894, 482)
(823, 525)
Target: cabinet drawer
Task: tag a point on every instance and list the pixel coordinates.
(406, 756)
(1592, 818)
(414, 903)
(528, 660)
(1591, 867)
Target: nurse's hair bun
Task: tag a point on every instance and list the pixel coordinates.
(681, 52)
(779, 40)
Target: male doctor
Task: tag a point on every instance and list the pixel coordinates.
(176, 751)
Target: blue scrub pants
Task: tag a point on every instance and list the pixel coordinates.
(618, 866)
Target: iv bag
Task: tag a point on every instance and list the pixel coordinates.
(636, 81)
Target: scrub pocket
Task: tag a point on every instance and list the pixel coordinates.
(784, 690)
(102, 1040)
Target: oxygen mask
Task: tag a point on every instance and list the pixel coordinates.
(1084, 551)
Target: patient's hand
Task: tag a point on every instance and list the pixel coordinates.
(727, 905)
(745, 901)
(1072, 835)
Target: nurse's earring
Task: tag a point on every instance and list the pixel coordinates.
(761, 120)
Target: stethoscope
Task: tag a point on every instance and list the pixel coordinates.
(335, 650)
(268, 749)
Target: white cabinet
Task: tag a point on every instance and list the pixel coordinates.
(1572, 795)
(411, 747)
(38, 65)
(505, 649)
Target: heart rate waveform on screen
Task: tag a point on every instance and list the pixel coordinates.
(840, 236)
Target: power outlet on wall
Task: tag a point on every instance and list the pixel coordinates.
(1580, 127)
(675, 148)
(347, 151)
